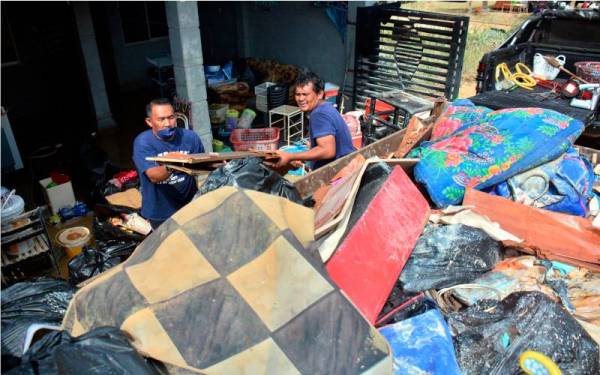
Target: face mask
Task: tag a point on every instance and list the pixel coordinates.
(166, 133)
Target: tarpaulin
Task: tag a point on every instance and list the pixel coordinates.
(422, 345)
(225, 286)
(502, 144)
(547, 234)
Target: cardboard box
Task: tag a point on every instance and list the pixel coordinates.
(58, 196)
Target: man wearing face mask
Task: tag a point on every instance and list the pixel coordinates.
(163, 191)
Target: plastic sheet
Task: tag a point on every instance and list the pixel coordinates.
(250, 173)
(489, 338)
(88, 263)
(42, 301)
(422, 345)
(102, 351)
(449, 255)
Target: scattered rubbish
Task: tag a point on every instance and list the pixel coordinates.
(422, 345)
(369, 260)
(245, 297)
(519, 274)
(555, 236)
(532, 321)
(449, 255)
(250, 173)
(104, 350)
(562, 185)
(25, 303)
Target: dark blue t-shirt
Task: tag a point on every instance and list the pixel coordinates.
(163, 199)
(326, 120)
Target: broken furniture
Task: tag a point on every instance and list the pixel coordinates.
(25, 241)
(402, 107)
(290, 119)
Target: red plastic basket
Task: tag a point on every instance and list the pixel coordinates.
(588, 70)
(257, 139)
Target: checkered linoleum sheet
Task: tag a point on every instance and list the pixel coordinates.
(226, 286)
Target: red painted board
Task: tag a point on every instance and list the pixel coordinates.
(369, 261)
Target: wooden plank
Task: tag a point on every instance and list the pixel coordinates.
(211, 157)
(382, 148)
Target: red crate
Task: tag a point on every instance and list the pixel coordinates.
(256, 139)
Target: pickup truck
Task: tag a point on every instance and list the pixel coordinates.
(574, 34)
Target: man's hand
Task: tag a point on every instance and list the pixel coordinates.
(285, 158)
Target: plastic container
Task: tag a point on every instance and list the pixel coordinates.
(542, 69)
(245, 121)
(331, 89)
(265, 139)
(218, 113)
(231, 119)
(13, 207)
(294, 149)
(73, 240)
(217, 145)
(588, 70)
(261, 90)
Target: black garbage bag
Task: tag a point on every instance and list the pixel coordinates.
(449, 255)
(88, 263)
(41, 301)
(373, 179)
(490, 337)
(104, 350)
(250, 173)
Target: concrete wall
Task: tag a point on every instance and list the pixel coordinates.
(130, 60)
(293, 33)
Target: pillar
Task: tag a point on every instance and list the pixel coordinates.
(93, 66)
(186, 53)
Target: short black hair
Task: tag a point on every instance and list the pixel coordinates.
(309, 77)
(153, 102)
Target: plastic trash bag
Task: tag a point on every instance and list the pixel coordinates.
(104, 350)
(422, 345)
(490, 336)
(88, 263)
(562, 185)
(250, 173)
(42, 301)
(449, 255)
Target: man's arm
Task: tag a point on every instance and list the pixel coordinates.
(324, 150)
(157, 174)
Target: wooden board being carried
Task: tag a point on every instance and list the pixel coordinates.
(211, 157)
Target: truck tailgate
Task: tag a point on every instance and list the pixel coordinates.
(520, 98)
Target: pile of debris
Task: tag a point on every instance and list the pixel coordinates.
(479, 253)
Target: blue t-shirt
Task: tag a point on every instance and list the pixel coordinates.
(163, 199)
(326, 120)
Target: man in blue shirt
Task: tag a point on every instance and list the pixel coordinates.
(330, 137)
(163, 191)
